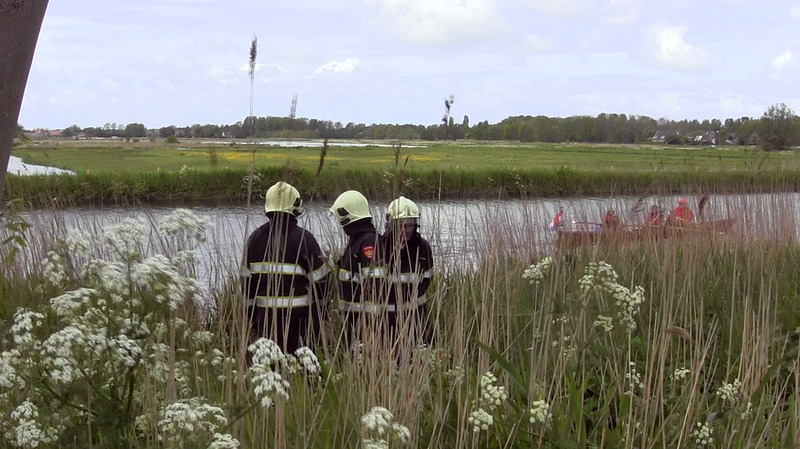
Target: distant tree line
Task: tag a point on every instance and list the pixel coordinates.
(777, 129)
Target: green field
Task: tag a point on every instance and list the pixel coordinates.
(120, 156)
(118, 172)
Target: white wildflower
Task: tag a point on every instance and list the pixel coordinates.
(9, 378)
(480, 420)
(126, 351)
(25, 429)
(491, 395)
(268, 385)
(730, 392)
(748, 410)
(24, 322)
(634, 378)
(223, 441)
(374, 443)
(191, 420)
(401, 433)
(540, 413)
(125, 237)
(308, 360)
(378, 428)
(604, 322)
(680, 374)
(70, 303)
(266, 352)
(703, 435)
(537, 272)
(183, 224)
(53, 269)
(598, 276)
(377, 421)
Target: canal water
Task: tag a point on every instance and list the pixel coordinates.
(462, 233)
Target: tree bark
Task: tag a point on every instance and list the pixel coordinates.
(20, 22)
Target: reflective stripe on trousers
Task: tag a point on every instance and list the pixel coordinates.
(279, 302)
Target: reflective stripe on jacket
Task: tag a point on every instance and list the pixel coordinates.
(284, 263)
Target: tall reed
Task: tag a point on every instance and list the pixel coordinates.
(674, 343)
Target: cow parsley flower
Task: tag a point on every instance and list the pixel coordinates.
(703, 434)
(537, 272)
(71, 303)
(730, 392)
(377, 421)
(190, 421)
(223, 441)
(25, 430)
(540, 413)
(125, 238)
(183, 224)
(598, 276)
(491, 395)
(53, 269)
(308, 360)
(24, 322)
(606, 323)
(480, 420)
(378, 428)
(266, 352)
(9, 378)
(680, 374)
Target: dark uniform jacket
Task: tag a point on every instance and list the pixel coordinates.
(409, 270)
(286, 266)
(362, 276)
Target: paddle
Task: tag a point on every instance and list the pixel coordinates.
(701, 205)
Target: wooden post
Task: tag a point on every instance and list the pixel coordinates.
(20, 21)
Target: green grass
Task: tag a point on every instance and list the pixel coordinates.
(99, 157)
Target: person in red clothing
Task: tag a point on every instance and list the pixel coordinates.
(611, 220)
(681, 214)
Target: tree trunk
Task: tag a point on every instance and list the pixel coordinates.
(20, 21)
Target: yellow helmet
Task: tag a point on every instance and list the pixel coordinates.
(349, 207)
(282, 197)
(403, 208)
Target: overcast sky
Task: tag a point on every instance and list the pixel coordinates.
(181, 62)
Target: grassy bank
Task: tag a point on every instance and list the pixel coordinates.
(231, 187)
(671, 344)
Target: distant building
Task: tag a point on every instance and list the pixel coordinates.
(662, 136)
(706, 138)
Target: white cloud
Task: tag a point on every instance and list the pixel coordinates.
(667, 48)
(439, 21)
(784, 60)
(561, 8)
(347, 66)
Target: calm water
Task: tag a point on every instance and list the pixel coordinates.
(461, 232)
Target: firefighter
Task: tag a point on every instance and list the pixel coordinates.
(410, 262)
(362, 276)
(285, 276)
